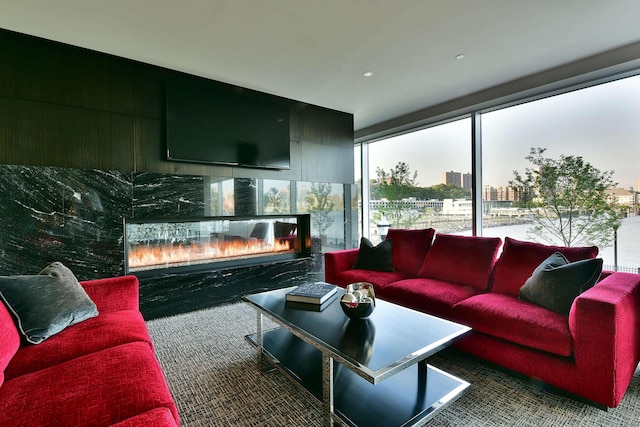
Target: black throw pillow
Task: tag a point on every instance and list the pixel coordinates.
(376, 258)
(259, 231)
(284, 229)
(556, 282)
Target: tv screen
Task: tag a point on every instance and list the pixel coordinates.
(210, 122)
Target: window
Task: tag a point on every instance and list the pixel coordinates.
(325, 203)
(221, 200)
(422, 179)
(599, 124)
(276, 196)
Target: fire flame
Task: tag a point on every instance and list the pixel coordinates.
(148, 257)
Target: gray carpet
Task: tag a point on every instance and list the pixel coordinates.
(213, 375)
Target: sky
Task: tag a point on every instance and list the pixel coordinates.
(600, 123)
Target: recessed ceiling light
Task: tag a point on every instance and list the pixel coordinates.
(460, 56)
(368, 73)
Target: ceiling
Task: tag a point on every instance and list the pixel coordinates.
(317, 51)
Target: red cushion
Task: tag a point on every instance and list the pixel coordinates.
(99, 389)
(410, 248)
(338, 261)
(106, 330)
(427, 295)
(461, 259)
(114, 293)
(159, 417)
(377, 278)
(518, 321)
(9, 339)
(519, 259)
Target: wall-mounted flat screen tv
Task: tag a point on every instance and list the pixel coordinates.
(210, 122)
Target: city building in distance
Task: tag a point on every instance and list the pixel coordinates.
(457, 178)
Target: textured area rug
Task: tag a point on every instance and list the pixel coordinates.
(213, 375)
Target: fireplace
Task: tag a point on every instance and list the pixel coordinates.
(178, 245)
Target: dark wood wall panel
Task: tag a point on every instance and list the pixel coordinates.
(319, 161)
(27, 128)
(46, 71)
(44, 134)
(97, 140)
(70, 107)
(327, 127)
(149, 88)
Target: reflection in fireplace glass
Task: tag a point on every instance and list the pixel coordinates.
(154, 244)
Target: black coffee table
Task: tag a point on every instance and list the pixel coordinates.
(375, 370)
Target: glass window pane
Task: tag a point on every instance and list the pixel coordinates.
(228, 198)
(599, 124)
(356, 196)
(277, 196)
(325, 203)
(221, 200)
(422, 179)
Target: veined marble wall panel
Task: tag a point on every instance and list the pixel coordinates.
(69, 215)
(158, 195)
(172, 294)
(76, 216)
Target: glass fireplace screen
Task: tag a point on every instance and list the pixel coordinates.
(228, 241)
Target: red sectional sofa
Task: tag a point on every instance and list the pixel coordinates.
(591, 352)
(100, 372)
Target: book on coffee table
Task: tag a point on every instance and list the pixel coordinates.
(309, 305)
(312, 293)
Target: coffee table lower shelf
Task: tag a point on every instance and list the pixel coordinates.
(400, 400)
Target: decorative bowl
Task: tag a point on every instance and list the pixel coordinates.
(359, 300)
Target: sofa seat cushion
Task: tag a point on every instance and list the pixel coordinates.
(99, 389)
(159, 417)
(426, 295)
(519, 259)
(409, 248)
(464, 260)
(377, 278)
(95, 334)
(518, 321)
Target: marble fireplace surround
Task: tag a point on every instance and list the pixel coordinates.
(76, 216)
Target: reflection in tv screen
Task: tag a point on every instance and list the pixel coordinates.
(211, 122)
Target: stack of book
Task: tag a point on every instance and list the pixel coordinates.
(315, 296)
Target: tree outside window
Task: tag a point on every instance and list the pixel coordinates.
(320, 204)
(567, 200)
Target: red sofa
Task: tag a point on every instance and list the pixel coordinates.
(100, 372)
(591, 353)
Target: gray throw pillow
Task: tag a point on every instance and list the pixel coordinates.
(45, 304)
(556, 282)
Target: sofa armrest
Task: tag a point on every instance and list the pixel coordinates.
(605, 325)
(114, 293)
(338, 261)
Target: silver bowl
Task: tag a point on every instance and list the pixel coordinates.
(359, 300)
